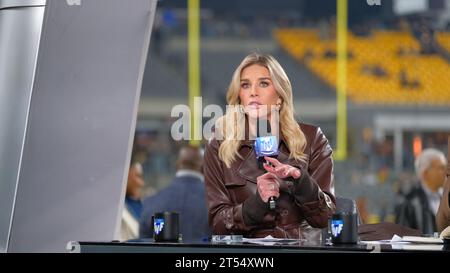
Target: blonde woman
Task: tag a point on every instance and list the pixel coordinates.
(301, 177)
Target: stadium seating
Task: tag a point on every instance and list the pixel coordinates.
(383, 68)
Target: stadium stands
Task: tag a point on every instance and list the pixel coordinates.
(386, 67)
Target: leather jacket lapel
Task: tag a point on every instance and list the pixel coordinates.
(248, 169)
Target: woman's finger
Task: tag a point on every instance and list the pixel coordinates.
(279, 170)
(268, 175)
(274, 161)
(268, 188)
(283, 171)
(269, 168)
(295, 173)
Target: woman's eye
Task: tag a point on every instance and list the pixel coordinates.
(264, 84)
(245, 85)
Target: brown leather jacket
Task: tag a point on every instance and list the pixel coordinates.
(234, 206)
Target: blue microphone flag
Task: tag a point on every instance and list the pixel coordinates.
(266, 146)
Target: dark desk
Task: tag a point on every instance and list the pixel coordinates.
(208, 247)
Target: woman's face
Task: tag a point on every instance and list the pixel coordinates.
(257, 92)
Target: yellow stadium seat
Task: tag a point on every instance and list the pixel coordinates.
(382, 49)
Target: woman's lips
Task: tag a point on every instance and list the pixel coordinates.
(254, 105)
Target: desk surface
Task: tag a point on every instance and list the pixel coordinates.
(149, 246)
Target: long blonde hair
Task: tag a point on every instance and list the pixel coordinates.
(229, 123)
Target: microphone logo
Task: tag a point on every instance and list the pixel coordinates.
(336, 227)
(158, 226)
(266, 146)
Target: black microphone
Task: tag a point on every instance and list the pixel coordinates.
(265, 145)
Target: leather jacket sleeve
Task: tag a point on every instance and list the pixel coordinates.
(313, 191)
(224, 216)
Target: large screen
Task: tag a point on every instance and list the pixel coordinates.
(403, 7)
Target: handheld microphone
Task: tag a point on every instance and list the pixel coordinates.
(265, 145)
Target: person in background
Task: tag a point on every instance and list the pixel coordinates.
(443, 214)
(420, 206)
(185, 195)
(133, 204)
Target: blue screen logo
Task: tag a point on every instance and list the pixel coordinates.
(158, 225)
(336, 227)
(266, 146)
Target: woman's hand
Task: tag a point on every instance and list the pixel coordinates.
(281, 170)
(268, 186)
